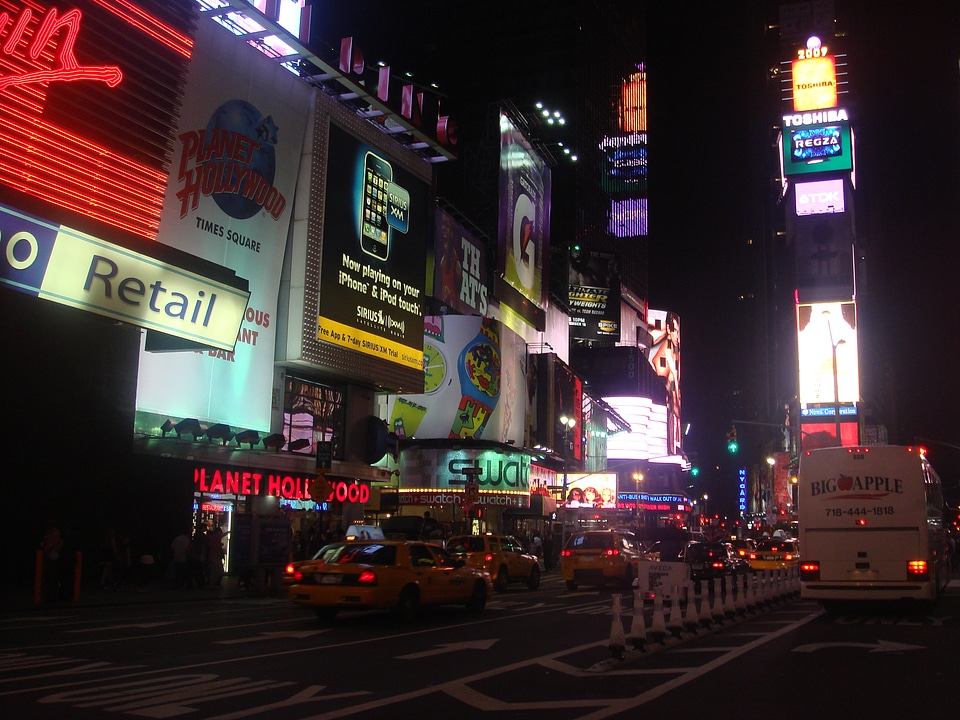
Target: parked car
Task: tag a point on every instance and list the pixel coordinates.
(503, 557)
(397, 575)
(596, 557)
(711, 560)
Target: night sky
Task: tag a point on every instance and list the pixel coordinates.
(710, 183)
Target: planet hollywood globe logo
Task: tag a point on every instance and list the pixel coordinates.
(233, 161)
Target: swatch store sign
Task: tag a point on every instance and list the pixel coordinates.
(432, 476)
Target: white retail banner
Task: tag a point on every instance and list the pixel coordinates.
(229, 200)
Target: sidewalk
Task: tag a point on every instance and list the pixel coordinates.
(21, 598)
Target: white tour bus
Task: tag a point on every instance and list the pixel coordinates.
(871, 525)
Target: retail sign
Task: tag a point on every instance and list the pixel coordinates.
(66, 266)
(459, 497)
(222, 481)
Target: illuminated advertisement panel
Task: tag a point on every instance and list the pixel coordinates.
(827, 352)
(374, 254)
(819, 198)
(633, 102)
(460, 277)
(664, 357)
(471, 380)
(66, 266)
(817, 148)
(524, 223)
(648, 429)
(596, 490)
(89, 94)
(628, 217)
(814, 435)
(623, 163)
(229, 200)
(593, 295)
(814, 83)
(427, 474)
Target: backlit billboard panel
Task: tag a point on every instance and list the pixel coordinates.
(819, 198)
(460, 277)
(814, 83)
(818, 148)
(593, 295)
(372, 280)
(524, 222)
(229, 199)
(623, 163)
(827, 352)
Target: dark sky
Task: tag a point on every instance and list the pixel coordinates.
(710, 143)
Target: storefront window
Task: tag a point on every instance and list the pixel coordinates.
(314, 412)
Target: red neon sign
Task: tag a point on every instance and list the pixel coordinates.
(59, 162)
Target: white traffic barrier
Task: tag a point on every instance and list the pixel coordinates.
(690, 617)
(728, 607)
(706, 617)
(768, 587)
(716, 610)
(617, 640)
(658, 627)
(638, 628)
(675, 620)
(740, 604)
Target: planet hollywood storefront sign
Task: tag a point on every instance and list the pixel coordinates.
(223, 481)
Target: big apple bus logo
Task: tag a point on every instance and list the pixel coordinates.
(848, 487)
(66, 67)
(233, 161)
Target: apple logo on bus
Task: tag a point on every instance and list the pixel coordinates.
(844, 482)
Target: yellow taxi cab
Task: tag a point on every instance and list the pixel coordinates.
(596, 557)
(774, 554)
(503, 557)
(397, 575)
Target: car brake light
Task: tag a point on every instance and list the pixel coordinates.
(565, 553)
(367, 577)
(289, 569)
(917, 569)
(788, 557)
(717, 565)
(753, 556)
(810, 570)
(488, 558)
(612, 551)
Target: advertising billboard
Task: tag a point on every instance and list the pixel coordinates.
(229, 200)
(814, 83)
(89, 95)
(461, 279)
(473, 383)
(819, 198)
(633, 102)
(596, 490)
(524, 222)
(648, 429)
(623, 163)
(827, 352)
(628, 217)
(374, 253)
(817, 148)
(593, 295)
(664, 357)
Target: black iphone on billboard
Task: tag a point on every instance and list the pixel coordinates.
(374, 227)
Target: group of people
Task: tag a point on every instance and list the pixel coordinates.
(198, 556)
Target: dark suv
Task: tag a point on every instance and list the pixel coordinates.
(709, 560)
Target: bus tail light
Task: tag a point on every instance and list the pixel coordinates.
(810, 570)
(917, 569)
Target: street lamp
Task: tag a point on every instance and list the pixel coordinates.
(638, 478)
(568, 423)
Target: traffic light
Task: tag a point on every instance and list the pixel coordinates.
(694, 471)
(732, 445)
